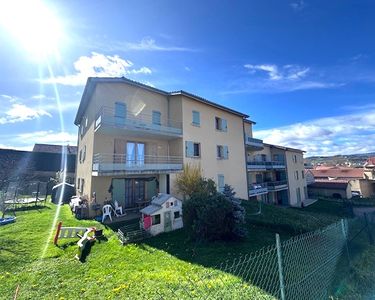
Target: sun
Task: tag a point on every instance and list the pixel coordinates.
(34, 25)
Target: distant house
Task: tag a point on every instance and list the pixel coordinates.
(18, 165)
(339, 189)
(48, 148)
(350, 181)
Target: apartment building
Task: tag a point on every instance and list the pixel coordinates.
(275, 174)
(133, 139)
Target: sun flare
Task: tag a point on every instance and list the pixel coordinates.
(34, 25)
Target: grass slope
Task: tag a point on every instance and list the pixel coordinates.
(136, 271)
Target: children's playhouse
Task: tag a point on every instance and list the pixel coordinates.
(162, 215)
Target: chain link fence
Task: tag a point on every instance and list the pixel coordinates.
(303, 267)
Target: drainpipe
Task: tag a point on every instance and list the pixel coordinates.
(246, 174)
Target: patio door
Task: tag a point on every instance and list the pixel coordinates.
(135, 153)
(134, 192)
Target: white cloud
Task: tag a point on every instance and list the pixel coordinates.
(21, 113)
(346, 134)
(146, 44)
(298, 5)
(97, 65)
(287, 72)
(26, 141)
(48, 137)
(271, 78)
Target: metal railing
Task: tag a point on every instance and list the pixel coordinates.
(258, 189)
(122, 163)
(266, 164)
(137, 121)
(274, 185)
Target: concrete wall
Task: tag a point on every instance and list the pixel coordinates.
(345, 194)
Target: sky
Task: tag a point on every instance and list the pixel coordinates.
(303, 70)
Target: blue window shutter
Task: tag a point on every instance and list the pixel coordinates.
(189, 149)
(224, 125)
(196, 118)
(220, 182)
(120, 113)
(226, 153)
(156, 117)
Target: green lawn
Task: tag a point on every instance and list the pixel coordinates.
(142, 270)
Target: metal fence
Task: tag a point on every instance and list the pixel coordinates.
(303, 267)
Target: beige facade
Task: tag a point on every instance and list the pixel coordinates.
(134, 139)
(275, 174)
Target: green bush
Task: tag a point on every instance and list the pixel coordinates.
(209, 215)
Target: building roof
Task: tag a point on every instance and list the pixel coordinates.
(150, 209)
(47, 148)
(370, 163)
(92, 81)
(337, 172)
(284, 148)
(161, 199)
(156, 204)
(329, 184)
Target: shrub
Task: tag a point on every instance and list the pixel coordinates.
(209, 215)
(188, 182)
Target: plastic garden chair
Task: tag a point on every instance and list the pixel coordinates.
(107, 210)
(118, 208)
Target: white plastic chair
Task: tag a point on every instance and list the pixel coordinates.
(118, 208)
(107, 209)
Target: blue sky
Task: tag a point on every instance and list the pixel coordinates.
(303, 70)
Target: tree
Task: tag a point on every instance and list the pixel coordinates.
(189, 181)
(209, 215)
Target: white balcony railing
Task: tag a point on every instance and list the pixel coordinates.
(135, 122)
(119, 163)
(258, 189)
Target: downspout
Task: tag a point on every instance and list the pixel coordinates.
(244, 144)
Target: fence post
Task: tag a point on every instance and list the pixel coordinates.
(280, 266)
(370, 238)
(345, 234)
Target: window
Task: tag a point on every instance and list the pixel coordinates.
(120, 113)
(84, 154)
(135, 153)
(303, 174)
(156, 219)
(295, 158)
(86, 122)
(220, 183)
(192, 149)
(177, 214)
(80, 155)
(298, 192)
(82, 185)
(296, 175)
(222, 152)
(78, 184)
(221, 124)
(196, 118)
(156, 117)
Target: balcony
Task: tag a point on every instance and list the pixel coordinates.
(258, 189)
(253, 144)
(136, 125)
(118, 164)
(265, 165)
(275, 186)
